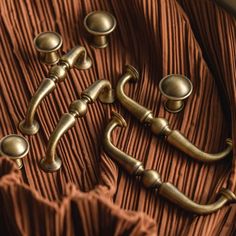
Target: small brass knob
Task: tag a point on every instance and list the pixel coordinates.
(14, 147)
(176, 88)
(48, 44)
(100, 24)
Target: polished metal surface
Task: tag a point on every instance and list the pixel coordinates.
(160, 126)
(48, 44)
(100, 89)
(77, 57)
(175, 88)
(151, 179)
(14, 147)
(99, 24)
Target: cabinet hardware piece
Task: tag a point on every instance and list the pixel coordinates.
(14, 147)
(160, 126)
(77, 57)
(100, 89)
(175, 88)
(47, 44)
(100, 24)
(151, 179)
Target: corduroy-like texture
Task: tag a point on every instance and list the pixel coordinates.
(91, 195)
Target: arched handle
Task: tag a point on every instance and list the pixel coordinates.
(77, 109)
(75, 57)
(152, 180)
(160, 125)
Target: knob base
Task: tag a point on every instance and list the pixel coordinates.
(174, 106)
(50, 167)
(29, 130)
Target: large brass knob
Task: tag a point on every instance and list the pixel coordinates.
(100, 24)
(48, 44)
(175, 88)
(14, 147)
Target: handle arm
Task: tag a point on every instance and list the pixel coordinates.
(77, 109)
(152, 180)
(161, 126)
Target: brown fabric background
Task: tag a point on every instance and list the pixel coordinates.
(91, 195)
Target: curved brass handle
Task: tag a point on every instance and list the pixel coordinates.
(77, 57)
(151, 178)
(160, 126)
(100, 89)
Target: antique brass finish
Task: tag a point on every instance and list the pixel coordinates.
(100, 89)
(48, 44)
(100, 24)
(78, 58)
(14, 147)
(152, 180)
(176, 88)
(160, 126)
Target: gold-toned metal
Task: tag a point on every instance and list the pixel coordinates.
(14, 147)
(77, 57)
(100, 24)
(100, 89)
(47, 44)
(151, 179)
(176, 88)
(160, 126)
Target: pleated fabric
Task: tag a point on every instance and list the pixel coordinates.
(91, 195)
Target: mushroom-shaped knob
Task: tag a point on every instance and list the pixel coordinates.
(176, 88)
(100, 24)
(14, 147)
(48, 44)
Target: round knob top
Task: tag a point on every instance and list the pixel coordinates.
(48, 42)
(14, 146)
(176, 87)
(100, 22)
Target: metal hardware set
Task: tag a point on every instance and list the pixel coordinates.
(175, 88)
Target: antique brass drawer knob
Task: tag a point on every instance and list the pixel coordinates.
(78, 58)
(176, 88)
(100, 24)
(151, 179)
(14, 147)
(160, 126)
(47, 44)
(100, 89)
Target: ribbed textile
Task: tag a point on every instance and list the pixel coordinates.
(91, 195)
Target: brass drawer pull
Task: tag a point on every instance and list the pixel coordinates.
(152, 180)
(78, 58)
(100, 89)
(160, 126)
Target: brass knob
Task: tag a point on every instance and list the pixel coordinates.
(48, 44)
(176, 88)
(14, 147)
(100, 24)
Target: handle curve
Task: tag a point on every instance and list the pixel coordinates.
(29, 125)
(160, 126)
(77, 109)
(77, 56)
(152, 180)
(178, 140)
